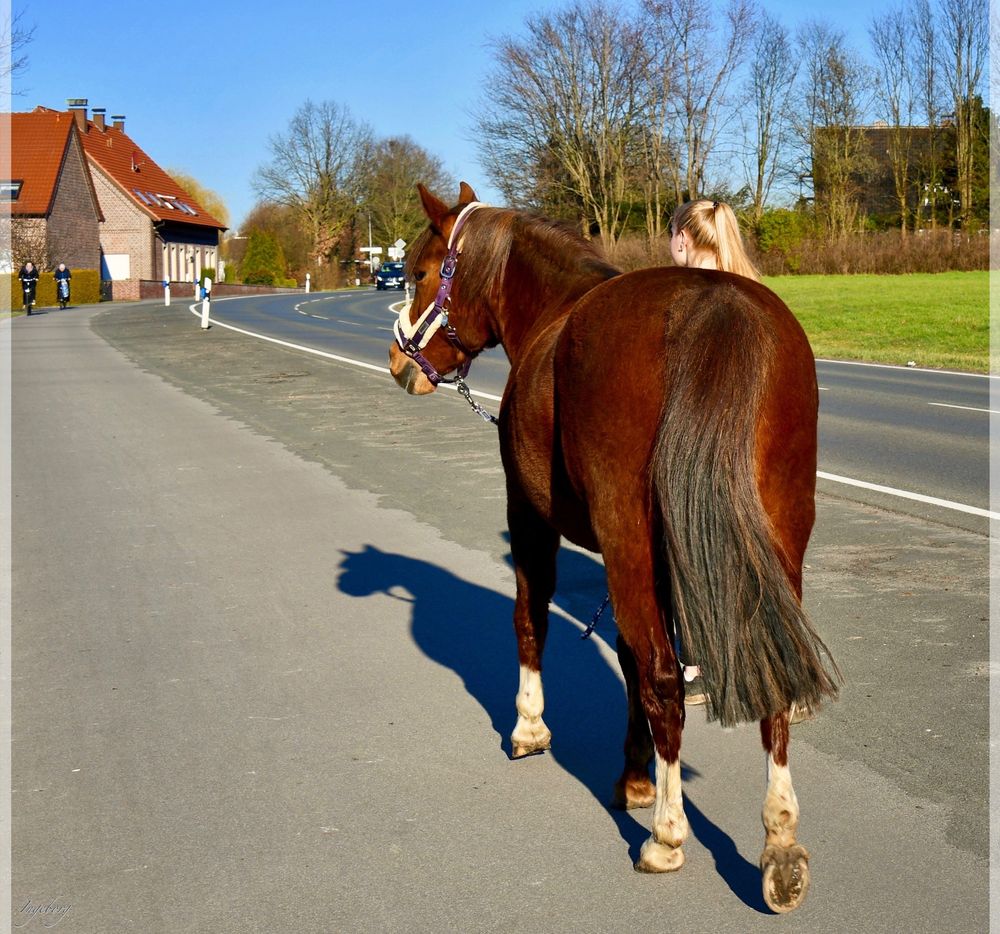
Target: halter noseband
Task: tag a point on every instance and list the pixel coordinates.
(413, 338)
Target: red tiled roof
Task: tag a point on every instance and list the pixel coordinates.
(138, 176)
(38, 147)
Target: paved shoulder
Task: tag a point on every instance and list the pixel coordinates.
(265, 674)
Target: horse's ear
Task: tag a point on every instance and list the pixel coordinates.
(465, 194)
(434, 207)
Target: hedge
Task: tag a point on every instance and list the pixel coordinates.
(85, 289)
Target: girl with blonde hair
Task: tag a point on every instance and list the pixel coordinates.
(706, 235)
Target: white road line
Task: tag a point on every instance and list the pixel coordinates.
(967, 408)
(903, 494)
(273, 340)
(910, 369)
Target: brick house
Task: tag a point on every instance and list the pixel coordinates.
(153, 229)
(89, 192)
(870, 183)
(55, 212)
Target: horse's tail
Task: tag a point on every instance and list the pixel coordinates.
(739, 615)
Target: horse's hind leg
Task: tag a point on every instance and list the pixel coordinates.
(533, 545)
(784, 863)
(634, 789)
(663, 698)
(639, 613)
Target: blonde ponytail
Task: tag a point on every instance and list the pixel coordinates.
(713, 229)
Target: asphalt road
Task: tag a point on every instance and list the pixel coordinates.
(912, 431)
(264, 674)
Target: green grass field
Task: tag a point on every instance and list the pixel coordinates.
(936, 320)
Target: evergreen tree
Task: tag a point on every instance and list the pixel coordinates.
(264, 261)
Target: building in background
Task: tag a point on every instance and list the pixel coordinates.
(153, 229)
(94, 199)
(55, 211)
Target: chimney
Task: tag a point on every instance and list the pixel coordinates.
(99, 113)
(118, 121)
(78, 107)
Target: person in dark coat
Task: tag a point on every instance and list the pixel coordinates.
(62, 276)
(29, 280)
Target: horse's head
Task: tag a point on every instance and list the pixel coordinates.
(427, 345)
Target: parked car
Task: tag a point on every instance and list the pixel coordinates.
(390, 276)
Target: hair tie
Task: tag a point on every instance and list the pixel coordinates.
(715, 205)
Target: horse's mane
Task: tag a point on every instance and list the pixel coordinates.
(558, 255)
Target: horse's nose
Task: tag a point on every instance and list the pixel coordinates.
(407, 374)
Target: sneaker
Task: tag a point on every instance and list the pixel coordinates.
(694, 686)
(800, 712)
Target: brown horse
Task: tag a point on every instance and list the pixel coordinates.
(667, 419)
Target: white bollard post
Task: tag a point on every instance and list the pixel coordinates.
(307, 283)
(166, 293)
(205, 303)
(196, 289)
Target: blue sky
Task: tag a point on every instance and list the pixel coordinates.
(202, 87)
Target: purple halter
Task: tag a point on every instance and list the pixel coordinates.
(413, 338)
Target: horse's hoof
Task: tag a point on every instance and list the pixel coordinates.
(786, 876)
(520, 750)
(658, 857)
(529, 739)
(633, 793)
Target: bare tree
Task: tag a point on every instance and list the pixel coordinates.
(661, 163)
(705, 57)
(390, 188)
(30, 240)
(928, 92)
(963, 52)
(891, 35)
(316, 168)
(564, 112)
(768, 124)
(838, 88)
(15, 36)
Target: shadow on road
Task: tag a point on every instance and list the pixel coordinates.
(468, 628)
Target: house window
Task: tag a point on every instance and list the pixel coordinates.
(10, 191)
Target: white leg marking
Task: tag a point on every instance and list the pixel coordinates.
(662, 851)
(784, 863)
(781, 807)
(530, 733)
(530, 701)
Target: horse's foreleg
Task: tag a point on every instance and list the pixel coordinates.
(533, 546)
(634, 789)
(784, 863)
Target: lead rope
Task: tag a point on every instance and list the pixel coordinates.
(466, 394)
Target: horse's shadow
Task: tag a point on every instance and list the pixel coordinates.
(468, 628)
